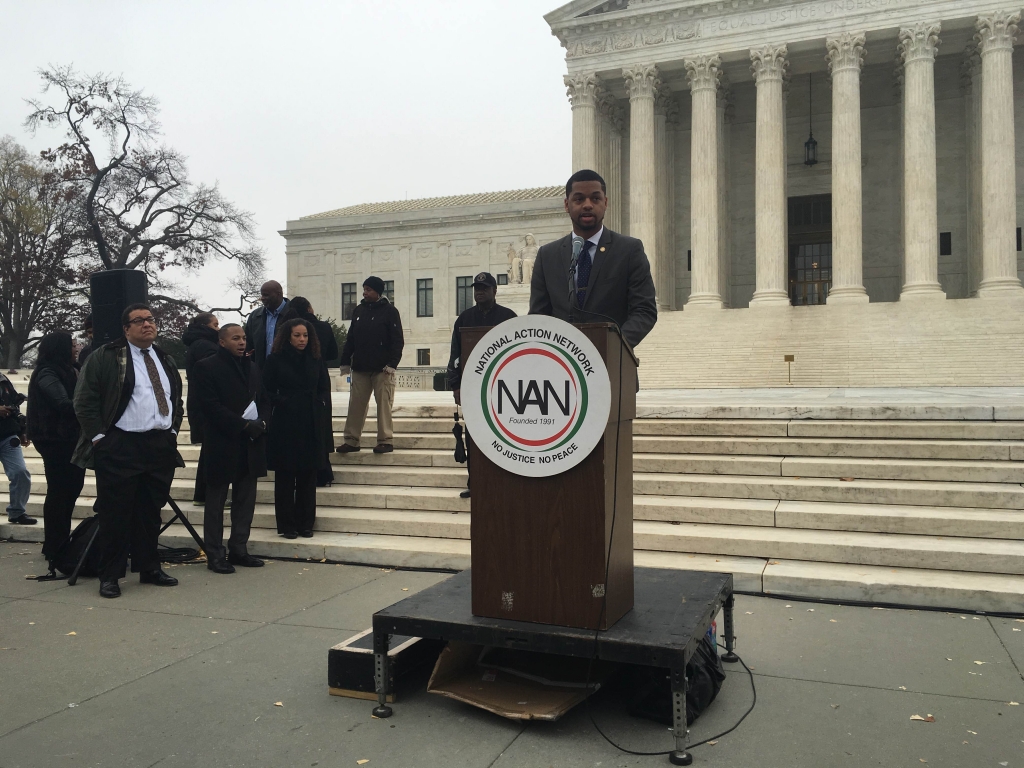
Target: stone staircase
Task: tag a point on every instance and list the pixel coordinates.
(890, 509)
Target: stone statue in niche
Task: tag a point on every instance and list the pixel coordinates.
(515, 266)
(527, 256)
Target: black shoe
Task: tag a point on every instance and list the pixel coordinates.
(346, 448)
(220, 566)
(157, 577)
(23, 520)
(246, 561)
(383, 448)
(109, 589)
(289, 534)
(464, 494)
(307, 534)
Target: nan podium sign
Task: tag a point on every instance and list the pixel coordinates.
(550, 409)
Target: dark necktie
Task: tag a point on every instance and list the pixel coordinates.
(583, 273)
(154, 379)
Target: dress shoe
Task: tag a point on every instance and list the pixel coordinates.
(109, 589)
(246, 561)
(306, 534)
(289, 534)
(383, 448)
(157, 577)
(346, 448)
(464, 494)
(220, 566)
(23, 520)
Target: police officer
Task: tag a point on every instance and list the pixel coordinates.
(487, 313)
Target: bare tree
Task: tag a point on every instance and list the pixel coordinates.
(43, 267)
(140, 207)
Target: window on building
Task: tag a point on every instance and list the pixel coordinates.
(945, 243)
(425, 297)
(1018, 239)
(503, 278)
(348, 300)
(422, 357)
(389, 290)
(463, 294)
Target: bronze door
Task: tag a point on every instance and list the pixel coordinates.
(810, 249)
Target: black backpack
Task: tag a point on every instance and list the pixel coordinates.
(652, 690)
(70, 552)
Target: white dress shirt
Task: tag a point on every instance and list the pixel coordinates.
(143, 413)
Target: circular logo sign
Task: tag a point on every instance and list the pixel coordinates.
(535, 395)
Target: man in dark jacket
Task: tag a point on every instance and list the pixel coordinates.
(261, 325)
(201, 341)
(372, 352)
(227, 390)
(12, 438)
(128, 402)
(485, 313)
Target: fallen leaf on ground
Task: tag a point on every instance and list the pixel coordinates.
(789, 606)
(1015, 629)
(973, 733)
(810, 610)
(71, 633)
(928, 719)
(712, 743)
(215, 633)
(405, 589)
(876, 608)
(834, 706)
(923, 760)
(979, 663)
(948, 659)
(1005, 762)
(1013, 703)
(278, 703)
(31, 623)
(903, 687)
(965, 742)
(362, 762)
(749, 613)
(833, 621)
(324, 560)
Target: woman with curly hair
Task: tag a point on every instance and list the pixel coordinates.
(296, 380)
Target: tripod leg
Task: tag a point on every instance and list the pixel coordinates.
(729, 657)
(92, 540)
(184, 521)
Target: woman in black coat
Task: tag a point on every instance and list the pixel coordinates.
(299, 307)
(201, 341)
(296, 381)
(53, 427)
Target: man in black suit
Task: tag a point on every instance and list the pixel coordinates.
(613, 280)
(229, 394)
(128, 403)
(261, 325)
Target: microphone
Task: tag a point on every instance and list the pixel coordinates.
(577, 249)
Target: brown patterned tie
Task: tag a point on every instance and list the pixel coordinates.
(154, 378)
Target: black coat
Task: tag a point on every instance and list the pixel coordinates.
(222, 388)
(375, 337)
(324, 334)
(51, 410)
(299, 392)
(202, 342)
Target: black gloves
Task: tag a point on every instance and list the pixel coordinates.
(254, 429)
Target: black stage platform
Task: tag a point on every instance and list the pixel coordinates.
(671, 613)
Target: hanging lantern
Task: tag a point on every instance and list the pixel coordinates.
(810, 146)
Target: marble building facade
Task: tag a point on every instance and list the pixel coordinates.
(698, 112)
(428, 252)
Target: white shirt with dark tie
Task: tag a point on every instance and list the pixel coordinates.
(143, 411)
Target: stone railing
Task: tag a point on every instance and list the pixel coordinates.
(408, 378)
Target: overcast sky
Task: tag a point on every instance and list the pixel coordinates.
(301, 107)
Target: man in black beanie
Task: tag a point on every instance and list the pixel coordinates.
(372, 352)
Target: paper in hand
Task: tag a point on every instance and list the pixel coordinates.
(251, 412)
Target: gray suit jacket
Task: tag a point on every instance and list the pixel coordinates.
(621, 286)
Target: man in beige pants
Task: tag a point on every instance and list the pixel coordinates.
(372, 352)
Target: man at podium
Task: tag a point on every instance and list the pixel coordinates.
(613, 280)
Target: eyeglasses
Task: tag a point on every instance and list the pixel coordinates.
(143, 321)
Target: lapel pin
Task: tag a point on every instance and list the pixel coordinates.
(602, 249)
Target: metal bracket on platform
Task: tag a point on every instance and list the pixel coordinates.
(380, 672)
(680, 731)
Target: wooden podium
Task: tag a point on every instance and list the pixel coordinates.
(539, 545)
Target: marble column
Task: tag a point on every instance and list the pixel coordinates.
(970, 81)
(670, 243)
(917, 47)
(583, 91)
(996, 33)
(725, 110)
(703, 72)
(662, 286)
(613, 217)
(897, 88)
(642, 83)
(769, 63)
(845, 58)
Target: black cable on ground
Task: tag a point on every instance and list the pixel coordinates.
(177, 555)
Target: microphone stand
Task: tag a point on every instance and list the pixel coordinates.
(577, 248)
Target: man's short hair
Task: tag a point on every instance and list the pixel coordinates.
(584, 175)
(127, 314)
(223, 332)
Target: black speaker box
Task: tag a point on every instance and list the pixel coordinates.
(110, 292)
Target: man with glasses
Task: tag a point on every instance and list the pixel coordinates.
(128, 402)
